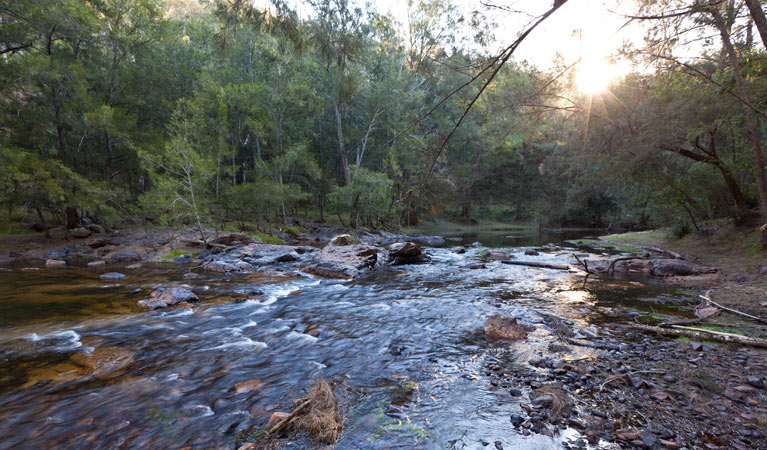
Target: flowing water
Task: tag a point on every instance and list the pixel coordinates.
(405, 341)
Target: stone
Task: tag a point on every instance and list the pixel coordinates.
(248, 446)
(626, 435)
(516, 420)
(164, 297)
(287, 257)
(236, 266)
(233, 239)
(80, 233)
(133, 266)
(404, 249)
(55, 262)
(341, 240)
(502, 326)
(60, 253)
(103, 360)
(531, 253)
(112, 276)
(755, 382)
(183, 259)
(94, 228)
(247, 386)
(191, 275)
(13, 254)
(543, 400)
(458, 250)
(497, 255)
(696, 346)
(276, 418)
(96, 263)
(125, 256)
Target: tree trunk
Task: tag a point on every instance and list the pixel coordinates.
(42, 222)
(751, 125)
(344, 158)
(757, 14)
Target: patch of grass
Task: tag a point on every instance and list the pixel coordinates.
(293, 230)
(637, 237)
(7, 228)
(265, 238)
(176, 253)
(251, 436)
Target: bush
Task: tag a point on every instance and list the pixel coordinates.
(680, 230)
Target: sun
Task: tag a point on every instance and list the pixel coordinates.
(595, 74)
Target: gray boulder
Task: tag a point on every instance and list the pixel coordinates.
(164, 297)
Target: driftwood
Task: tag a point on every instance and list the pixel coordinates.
(583, 263)
(611, 267)
(289, 417)
(700, 333)
(537, 264)
(734, 311)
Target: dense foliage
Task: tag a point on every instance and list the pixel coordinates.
(205, 113)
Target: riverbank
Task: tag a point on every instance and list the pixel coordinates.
(735, 252)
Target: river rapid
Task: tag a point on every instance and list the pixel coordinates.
(405, 343)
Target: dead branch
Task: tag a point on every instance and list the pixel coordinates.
(611, 267)
(537, 264)
(734, 311)
(699, 333)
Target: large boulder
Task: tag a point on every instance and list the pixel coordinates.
(125, 256)
(678, 268)
(406, 253)
(164, 297)
(341, 261)
(501, 326)
(102, 361)
(497, 255)
(80, 233)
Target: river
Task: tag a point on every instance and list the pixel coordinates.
(406, 343)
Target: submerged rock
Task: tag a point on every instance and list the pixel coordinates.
(501, 326)
(60, 253)
(164, 297)
(103, 360)
(125, 256)
(112, 276)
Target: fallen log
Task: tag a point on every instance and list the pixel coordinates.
(611, 267)
(539, 265)
(734, 311)
(700, 333)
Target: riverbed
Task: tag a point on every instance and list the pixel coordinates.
(405, 344)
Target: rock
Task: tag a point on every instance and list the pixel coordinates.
(431, 241)
(228, 266)
(190, 275)
(543, 400)
(112, 276)
(515, 392)
(755, 382)
(94, 228)
(648, 438)
(676, 267)
(401, 253)
(497, 255)
(458, 250)
(341, 240)
(696, 346)
(661, 396)
(233, 239)
(99, 243)
(96, 263)
(183, 259)
(133, 266)
(516, 420)
(404, 249)
(164, 297)
(476, 266)
(103, 360)
(501, 326)
(247, 386)
(80, 233)
(531, 253)
(13, 254)
(125, 256)
(248, 446)
(60, 253)
(287, 257)
(626, 435)
(55, 262)
(276, 418)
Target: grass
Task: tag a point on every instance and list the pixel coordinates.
(176, 253)
(15, 228)
(265, 238)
